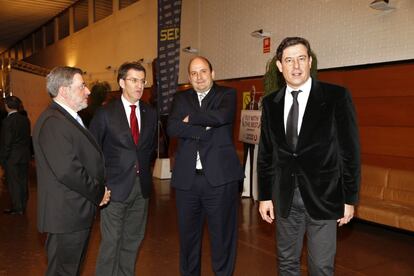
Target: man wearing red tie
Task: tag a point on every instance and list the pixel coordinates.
(126, 131)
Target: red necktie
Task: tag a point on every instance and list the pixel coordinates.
(134, 124)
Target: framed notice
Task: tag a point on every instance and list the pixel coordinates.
(250, 122)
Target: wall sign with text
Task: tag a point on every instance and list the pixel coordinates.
(250, 122)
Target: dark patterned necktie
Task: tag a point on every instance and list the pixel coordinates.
(134, 124)
(292, 122)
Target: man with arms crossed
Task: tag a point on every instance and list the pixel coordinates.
(126, 132)
(70, 173)
(207, 170)
(308, 162)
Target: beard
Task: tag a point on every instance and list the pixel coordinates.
(78, 102)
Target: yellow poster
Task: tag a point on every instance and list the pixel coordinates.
(246, 99)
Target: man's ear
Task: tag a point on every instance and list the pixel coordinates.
(279, 65)
(63, 91)
(310, 61)
(122, 83)
(212, 74)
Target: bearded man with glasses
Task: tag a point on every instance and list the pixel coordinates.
(70, 173)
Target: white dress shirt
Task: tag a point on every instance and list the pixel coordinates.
(199, 166)
(72, 113)
(127, 109)
(302, 100)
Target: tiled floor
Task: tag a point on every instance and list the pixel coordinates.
(363, 249)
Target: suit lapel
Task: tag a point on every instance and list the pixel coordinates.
(143, 131)
(277, 112)
(209, 97)
(120, 119)
(76, 124)
(313, 111)
(193, 97)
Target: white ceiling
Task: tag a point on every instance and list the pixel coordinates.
(18, 18)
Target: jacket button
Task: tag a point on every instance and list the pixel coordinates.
(295, 155)
(292, 175)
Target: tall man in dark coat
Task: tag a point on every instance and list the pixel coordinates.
(308, 162)
(70, 173)
(207, 170)
(126, 132)
(15, 144)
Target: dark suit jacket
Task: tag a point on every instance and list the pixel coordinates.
(15, 140)
(217, 152)
(111, 130)
(326, 162)
(70, 172)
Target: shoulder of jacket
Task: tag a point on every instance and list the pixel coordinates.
(148, 108)
(330, 86)
(224, 88)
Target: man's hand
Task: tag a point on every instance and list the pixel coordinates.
(106, 198)
(266, 211)
(348, 215)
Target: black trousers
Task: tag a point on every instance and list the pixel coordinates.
(219, 206)
(321, 241)
(17, 184)
(65, 252)
(122, 230)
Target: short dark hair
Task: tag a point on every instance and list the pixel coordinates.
(13, 102)
(60, 76)
(203, 58)
(125, 67)
(291, 41)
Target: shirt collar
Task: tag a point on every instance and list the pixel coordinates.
(306, 87)
(67, 108)
(127, 104)
(204, 93)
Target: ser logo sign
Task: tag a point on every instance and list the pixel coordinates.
(169, 34)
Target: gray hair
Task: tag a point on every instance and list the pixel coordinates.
(60, 76)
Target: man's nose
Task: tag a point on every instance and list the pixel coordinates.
(295, 63)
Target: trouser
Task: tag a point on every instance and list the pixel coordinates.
(122, 231)
(65, 252)
(321, 241)
(17, 184)
(219, 205)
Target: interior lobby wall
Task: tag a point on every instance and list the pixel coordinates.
(342, 33)
(34, 96)
(126, 35)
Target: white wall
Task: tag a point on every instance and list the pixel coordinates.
(341, 32)
(31, 89)
(126, 35)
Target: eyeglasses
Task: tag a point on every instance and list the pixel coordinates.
(81, 86)
(135, 81)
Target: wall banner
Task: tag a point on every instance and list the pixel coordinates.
(169, 18)
(250, 122)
